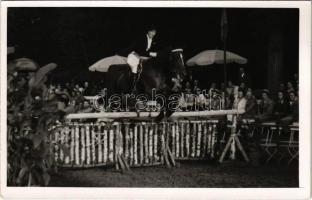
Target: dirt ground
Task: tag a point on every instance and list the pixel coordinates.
(188, 174)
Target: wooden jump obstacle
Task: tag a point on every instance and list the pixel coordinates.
(126, 144)
(136, 144)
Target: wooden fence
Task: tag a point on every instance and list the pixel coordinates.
(138, 144)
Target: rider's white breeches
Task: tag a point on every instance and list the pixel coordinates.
(133, 61)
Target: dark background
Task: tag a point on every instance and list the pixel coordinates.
(75, 38)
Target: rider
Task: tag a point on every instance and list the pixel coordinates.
(143, 48)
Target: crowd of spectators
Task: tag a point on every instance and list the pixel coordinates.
(261, 105)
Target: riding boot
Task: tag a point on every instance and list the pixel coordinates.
(134, 82)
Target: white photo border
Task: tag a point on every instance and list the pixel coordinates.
(303, 192)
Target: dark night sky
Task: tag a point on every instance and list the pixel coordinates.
(75, 38)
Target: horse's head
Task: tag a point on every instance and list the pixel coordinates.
(177, 66)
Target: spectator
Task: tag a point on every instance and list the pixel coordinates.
(242, 87)
(189, 99)
(182, 102)
(251, 105)
(229, 88)
(187, 85)
(266, 107)
(195, 87)
(86, 107)
(281, 106)
(240, 101)
(282, 87)
(86, 89)
(200, 100)
(296, 79)
(293, 115)
(222, 87)
(290, 87)
(213, 87)
(243, 77)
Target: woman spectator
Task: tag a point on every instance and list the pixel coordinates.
(266, 107)
(251, 105)
(240, 101)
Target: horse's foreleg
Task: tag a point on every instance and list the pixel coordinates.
(160, 116)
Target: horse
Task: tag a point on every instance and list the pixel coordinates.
(156, 76)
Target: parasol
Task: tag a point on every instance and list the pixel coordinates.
(25, 64)
(209, 57)
(104, 64)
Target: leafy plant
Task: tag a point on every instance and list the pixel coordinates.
(31, 121)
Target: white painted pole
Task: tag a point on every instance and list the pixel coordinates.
(77, 144)
(72, 145)
(83, 146)
(99, 142)
(136, 144)
(105, 145)
(88, 160)
(152, 114)
(67, 157)
(182, 139)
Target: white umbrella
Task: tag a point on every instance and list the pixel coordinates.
(209, 57)
(104, 64)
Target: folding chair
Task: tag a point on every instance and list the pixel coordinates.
(269, 133)
(290, 145)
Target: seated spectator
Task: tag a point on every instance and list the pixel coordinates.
(293, 114)
(86, 89)
(189, 99)
(213, 87)
(222, 87)
(242, 87)
(187, 85)
(266, 107)
(290, 87)
(296, 79)
(240, 101)
(229, 88)
(281, 106)
(195, 86)
(182, 102)
(282, 87)
(85, 107)
(251, 105)
(200, 100)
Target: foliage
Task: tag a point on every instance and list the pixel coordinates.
(31, 122)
